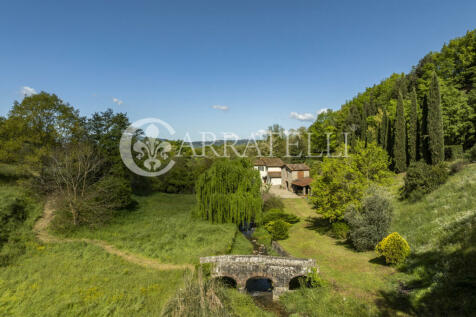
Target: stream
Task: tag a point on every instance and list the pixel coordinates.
(261, 289)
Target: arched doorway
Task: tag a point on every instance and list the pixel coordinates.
(227, 281)
(259, 285)
(298, 282)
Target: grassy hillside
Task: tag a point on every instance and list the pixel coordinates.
(162, 228)
(81, 279)
(355, 278)
(441, 229)
(438, 279)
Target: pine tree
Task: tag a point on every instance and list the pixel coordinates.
(435, 122)
(412, 128)
(400, 154)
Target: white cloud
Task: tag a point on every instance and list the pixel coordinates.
(260, 133)
(222, 108)
(323, 110)
(303, 116)
(118, 101)
(27, 91)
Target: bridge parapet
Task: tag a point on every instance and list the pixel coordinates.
(241, 268)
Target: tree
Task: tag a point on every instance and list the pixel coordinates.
(400, 140)
(341, 182)
(371, 161)
(86, 196)
(37, 125)
(435, 123)
(229, 192)
(424, 138)
(338, 185)
(364, 122)
(412, 127)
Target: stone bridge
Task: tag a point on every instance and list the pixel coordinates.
(281, 271)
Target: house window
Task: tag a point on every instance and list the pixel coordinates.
(261, 168)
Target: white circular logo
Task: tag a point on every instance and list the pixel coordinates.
(142, 151)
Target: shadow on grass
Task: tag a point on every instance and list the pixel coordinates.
(346, 244)
(318, 224)
(443, 283)
(378, 260)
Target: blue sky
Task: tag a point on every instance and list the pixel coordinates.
(175, 60)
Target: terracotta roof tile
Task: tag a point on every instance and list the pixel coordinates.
(298, 167)
(269, 161)
(305, 181)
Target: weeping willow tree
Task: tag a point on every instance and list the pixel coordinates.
(229, 192)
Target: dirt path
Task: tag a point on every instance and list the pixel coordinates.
(41, 230)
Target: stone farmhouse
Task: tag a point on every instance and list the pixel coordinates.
(292, 177)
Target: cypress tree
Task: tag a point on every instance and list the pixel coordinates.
(424, 139)
(435, 122)
(384, 130)
(412, 128)
(400, 154)
(363, 135)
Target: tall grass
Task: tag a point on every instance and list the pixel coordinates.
(162, 227)
(77, 279)
(203, 297)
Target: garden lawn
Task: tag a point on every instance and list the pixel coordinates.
(357, 274)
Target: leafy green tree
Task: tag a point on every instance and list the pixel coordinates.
(104, 131)
(400, 139)
(229, 192)
(412, 127)
(324, 124)
(455, 114)
(37, 125)
(435, 123)
(341, 182)
(338, 185)
(371, 161)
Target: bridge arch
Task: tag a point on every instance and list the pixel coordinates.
(259, 283)
(296, 282)
(279, 270)
(227, 281)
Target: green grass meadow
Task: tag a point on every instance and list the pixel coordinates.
(162, 228)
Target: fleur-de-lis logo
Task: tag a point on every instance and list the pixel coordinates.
(149, 150)
(152, 147)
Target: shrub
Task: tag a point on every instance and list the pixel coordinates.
(340, 230)
(262, 236)
(453, 152)
(369, 223)
(278, 229)
(394, 248)
(271, 201)
(423, 178)
(313, 279)
(276, 214)
(456, 167)
(12, 214)
(471, 155)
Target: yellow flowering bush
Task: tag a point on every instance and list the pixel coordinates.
(394, 248)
